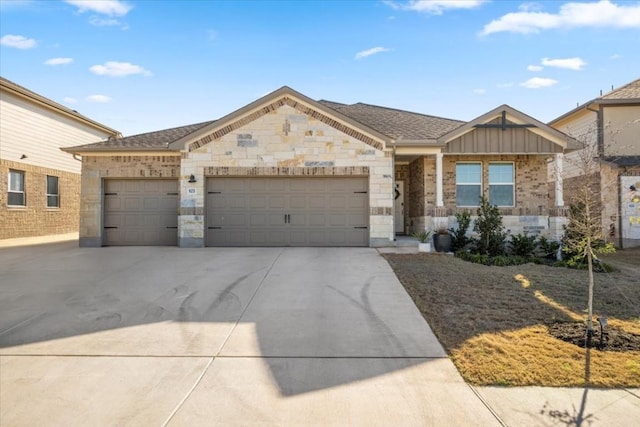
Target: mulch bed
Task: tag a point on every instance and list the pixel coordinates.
(614, 339)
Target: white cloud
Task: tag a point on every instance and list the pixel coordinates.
(70, 100)
(372, 51)
(19, 42)
(615, 56)
(99, 98)
(435, 7)
(118, 69)
(603, 13)
(538, 82)
(58, 61)
(568, 63)
(480, 91)
(96, 21)
(534, 68)
(505, 85)
(104, 7)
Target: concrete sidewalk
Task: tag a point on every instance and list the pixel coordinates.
(253, 336)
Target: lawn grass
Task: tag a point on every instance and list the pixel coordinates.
(493, 320)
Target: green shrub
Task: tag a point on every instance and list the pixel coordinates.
(472, 257)
(488, 225)
(548, 249)
(459, 237)
(523, 244)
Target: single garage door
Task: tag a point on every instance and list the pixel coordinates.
(287, 211)
(140, 212)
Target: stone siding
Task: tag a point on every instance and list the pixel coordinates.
(285, 141)
(96, 168)
(35, 218)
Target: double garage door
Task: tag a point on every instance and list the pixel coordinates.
(287, 211)
(140, 212)
(242, 212)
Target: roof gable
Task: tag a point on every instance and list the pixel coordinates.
(270, 103)
(491, 125)
(627, 94)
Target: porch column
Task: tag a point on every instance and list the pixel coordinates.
(558, 180)
(439, 197)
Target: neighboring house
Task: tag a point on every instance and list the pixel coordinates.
(39, 184)
(609, 126)
(287, 170)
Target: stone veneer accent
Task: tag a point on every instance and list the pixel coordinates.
(36, 219)
(291, 140)
(293, 171)
(96, 168)
(273, 108)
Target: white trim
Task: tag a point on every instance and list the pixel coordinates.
(512, 184)
(479, 163)
(558, 180)
(22, 191)
(439, 191)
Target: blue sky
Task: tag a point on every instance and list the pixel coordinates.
(140, 66)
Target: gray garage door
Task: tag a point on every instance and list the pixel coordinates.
(287, 211)
(140, 212)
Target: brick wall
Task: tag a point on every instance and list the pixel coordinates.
(531, 190)
(36, 219)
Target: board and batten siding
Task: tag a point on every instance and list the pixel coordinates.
(38, 133)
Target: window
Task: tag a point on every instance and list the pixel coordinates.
(53, 197)
(16, 196)
(501, 184)
(468, 184)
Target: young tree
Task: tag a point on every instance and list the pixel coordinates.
(488, 225)
(585, 236)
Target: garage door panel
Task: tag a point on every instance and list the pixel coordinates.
(300, 211)
(277, 202)
(297, 202)
(338, 202)
(140, 212)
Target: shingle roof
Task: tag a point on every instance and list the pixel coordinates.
(144, 141)
(397, 124)
(624, 160)
(628, 91)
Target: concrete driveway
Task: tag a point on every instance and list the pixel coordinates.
(168, 336)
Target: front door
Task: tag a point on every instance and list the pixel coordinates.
(399, 203)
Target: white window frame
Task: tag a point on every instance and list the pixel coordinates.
(469, 183)
(512, 183)
(56, 194)
(21, 191)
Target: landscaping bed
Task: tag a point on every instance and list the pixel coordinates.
(512, 325)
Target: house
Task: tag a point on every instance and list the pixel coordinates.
(39, 184)
(287, 170)
(609, 128)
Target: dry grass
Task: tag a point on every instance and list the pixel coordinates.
(492, 320)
